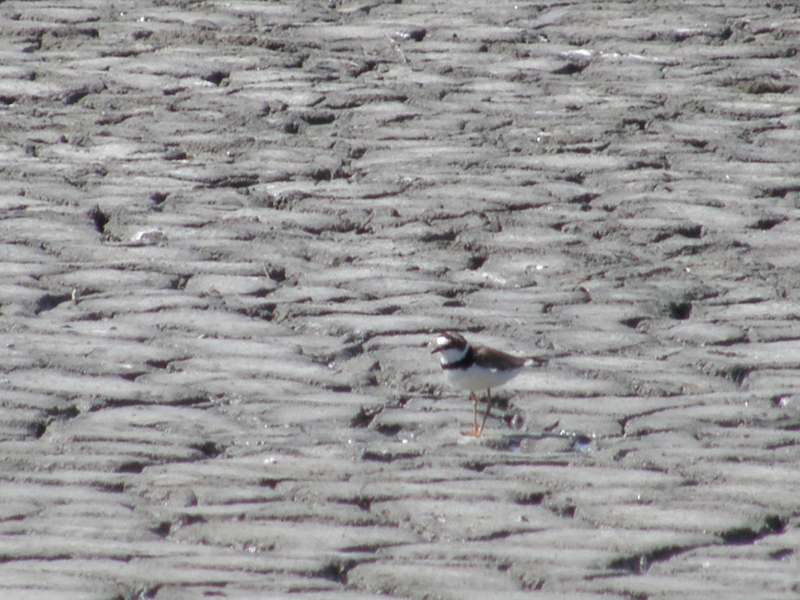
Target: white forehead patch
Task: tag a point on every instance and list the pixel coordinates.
(442, 341)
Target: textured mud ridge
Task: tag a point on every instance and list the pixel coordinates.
(231, 229)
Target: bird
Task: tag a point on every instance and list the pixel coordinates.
(475, 368)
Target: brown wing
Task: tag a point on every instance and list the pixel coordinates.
(495, 359)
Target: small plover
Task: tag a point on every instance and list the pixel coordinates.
(475, 368)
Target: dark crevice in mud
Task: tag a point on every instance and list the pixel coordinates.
(792, 424)
(174, 154)
(475, 262)
(780, 445)
(270, 482)
(74, 96)
(34, 41)
(624, 421)
(737, 374)
(577, 177)
(14, 518)
(264, 312)
(233, 181)
(68, 412)
(664, 235)
(362, 502)
(7, 558)
(779, 191)
(504, 209)
(454, 304)
(338, 388)
(216, 77)
(317, 117)
(640, 563)
(510, 460)
(477, 466)
(693, 232)
(112, 488)
(276, 273)
(388, 457)
(190, 401)
(767, 224)
(38, 429)
(365, 416)
(633, 322)
(337, 570)
(49, 302)
(532, 584)
(97, 316)
(157, 200)
(126, 402)
(209, 449)
(179, 283)
(563, 510)
(186, 520)
(773, 524)
(261, 293)
(765, 87)
(162, 530)
(690, 249)
(389, 430)
(632, 124)
(448, 235)
(133, 466)
(680, 310)
(739, 339)
(696, 143)
(570, 68)
(99, 219)
(781, 554)
(291, 126)
(580, 442)
(530, 498)
(147, 593)
(655, 163)
(132, 375)
(411, 34)
(729, 424)
(116, 119)
(584, 200)
(364, 548)
(581, 149)
(326, 174)
(160, 363)
(621, 454)
(505, 534)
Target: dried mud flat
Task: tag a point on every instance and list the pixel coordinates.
(230, 229)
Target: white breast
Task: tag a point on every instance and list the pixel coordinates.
(477, 378)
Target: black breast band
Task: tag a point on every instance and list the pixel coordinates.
(462, 363)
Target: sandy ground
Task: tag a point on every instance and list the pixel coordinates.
(231, 229)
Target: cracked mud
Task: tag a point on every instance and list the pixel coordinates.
(231, 229)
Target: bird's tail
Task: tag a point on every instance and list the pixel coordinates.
(535, 361)
(538, 361)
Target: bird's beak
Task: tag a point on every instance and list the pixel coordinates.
(435, 350)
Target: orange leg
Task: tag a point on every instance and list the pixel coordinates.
(475, 431)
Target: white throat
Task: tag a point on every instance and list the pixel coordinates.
(453, 355)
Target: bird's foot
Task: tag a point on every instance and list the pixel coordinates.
(476, 433)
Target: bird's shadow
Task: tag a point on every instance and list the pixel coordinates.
(510, 442)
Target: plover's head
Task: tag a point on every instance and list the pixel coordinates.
(448, 340)
(452, 347)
